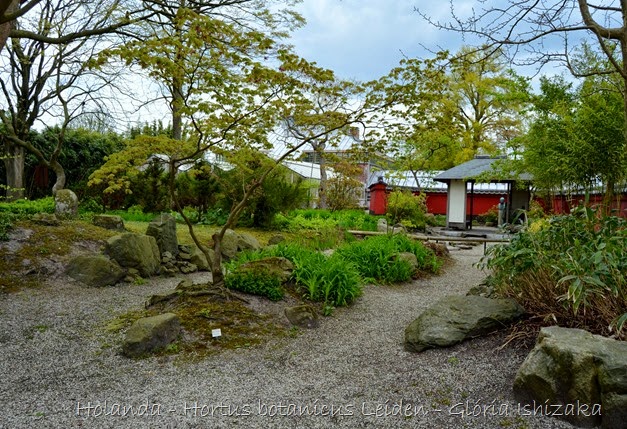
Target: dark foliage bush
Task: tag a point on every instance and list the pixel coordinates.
(570, 270)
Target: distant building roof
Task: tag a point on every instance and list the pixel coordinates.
(477, 167)
(406, 179)
(426, 182)
(307, 170)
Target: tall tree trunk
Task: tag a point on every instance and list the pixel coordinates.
(14, 166)
(177, 105)
(6, 28)
(322, 188)
(217, 276)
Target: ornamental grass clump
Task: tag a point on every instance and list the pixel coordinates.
(319, 278)
(569, 270)
(375, 258)
(331, 280)
(337, 280)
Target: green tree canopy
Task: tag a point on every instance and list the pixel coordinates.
(444, 110)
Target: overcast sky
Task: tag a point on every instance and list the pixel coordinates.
(364, 39)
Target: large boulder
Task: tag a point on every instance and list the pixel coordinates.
(232, 243)
(151, 334)
(455, 318)
(95, 270)
(65, 203)
(229, 246)
(113, 222)
(200, 260)
(247, 242)
(581, 376)
(135, 251)
(163, 228)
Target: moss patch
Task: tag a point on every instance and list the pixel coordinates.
(199, 315)
(23, 266)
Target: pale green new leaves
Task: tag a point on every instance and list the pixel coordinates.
(444, 110)
(227, 86)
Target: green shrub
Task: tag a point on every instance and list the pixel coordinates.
(21, 209)
(337, 280)
(344, 187)
(492, 215)
(6, 224)
(571, 269)
(278, 192)
(259, 282)
(133, 214)
(24, 208)
(199, 188)
(407, 209)
(90, 205)
(316, 219)
(215, 216)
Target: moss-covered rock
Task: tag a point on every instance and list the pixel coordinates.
(200, 260)
(47, 219)
(276, 239)
(66, 204)
(410, 258)
(232, 243)
(229, 246)
(572, 367)
(163, 228)
(151, 334)
(274, 265)
(95, 270)
(135, 251)
(455, 318)
(303, 316)
(247, 242)
(112, 222)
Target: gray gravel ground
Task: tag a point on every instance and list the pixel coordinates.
(59, 369)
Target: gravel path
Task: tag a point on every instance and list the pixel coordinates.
(58, 370)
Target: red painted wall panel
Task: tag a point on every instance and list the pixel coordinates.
(437, 202)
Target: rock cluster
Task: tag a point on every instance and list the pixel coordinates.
(187, 260)
(47, 219)
(130, 256)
